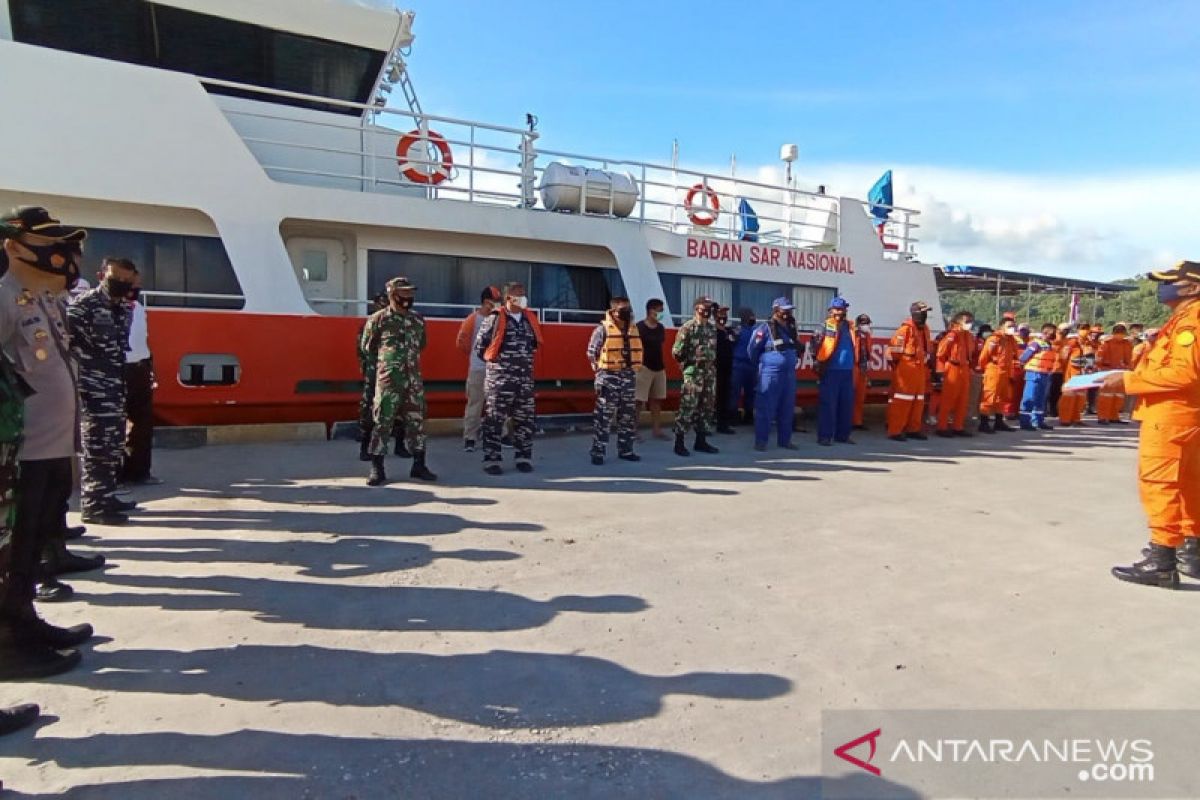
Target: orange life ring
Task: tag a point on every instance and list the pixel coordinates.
(702, 215)
(423, 171)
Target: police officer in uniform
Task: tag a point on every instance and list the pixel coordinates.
(392, 340)
(1167, 385)
(99, 323)
(776, 349)
(615, 353)
(507, 341)
(695, 349)
(43, 263)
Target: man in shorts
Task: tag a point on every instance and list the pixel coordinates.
(652, 377)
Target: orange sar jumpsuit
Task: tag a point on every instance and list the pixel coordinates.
(1139, 352)
(861, 379)
(909, 354)
(996, 360)
(955, 359)
(1167, 385)
(1071, 404)
(1115, 352)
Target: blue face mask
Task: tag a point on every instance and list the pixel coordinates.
(1168, 292)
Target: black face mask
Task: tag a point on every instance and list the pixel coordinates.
(748, 321)
(118, 289)
(723, 320)
(704, 312)
(403, 302)
(134, 294)
(59, 258)
(790, 319)
(919, 317)
(625, 314)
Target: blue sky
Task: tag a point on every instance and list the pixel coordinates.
(952, 95)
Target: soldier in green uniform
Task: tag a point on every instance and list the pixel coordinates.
(393, 340)
(696, 351)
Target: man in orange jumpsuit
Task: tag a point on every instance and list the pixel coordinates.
(1167, 385)
(909, 353)
(1115, 352)
(1070, 404)
(1141, 348)
(996, 359)
(956, 362)
(862, 381)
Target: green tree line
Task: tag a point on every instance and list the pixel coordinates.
(1140, 305)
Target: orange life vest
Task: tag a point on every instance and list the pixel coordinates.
(622, 348)
(833, 332)
(493, 349)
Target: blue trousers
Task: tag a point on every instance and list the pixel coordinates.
(745, 375)
(775, 399)
(1033, 401)
(835, 414)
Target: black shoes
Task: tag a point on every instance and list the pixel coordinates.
(1156, 569)
(524, 466)
(920, 437)
(629, 457)
(378, 476)
(37, 631)
(419, 470)
(468, 445)
(73, 532)
(1187, 557)
(964, 434)
(680, 447)
(104, 516)
(1001, 425)
(27, 662)
(597, 461)
(400, 450)
(61, 561)
(701, 445)
(1044, 427)
(985, 425)
(121, 506)
(493, 469)
(14, 718)
(53, 591)
(899, 437)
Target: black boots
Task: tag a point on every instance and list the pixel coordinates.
(24, 659)
(364, 442)
(985, 425)
(680, 447)
(1188, 557)
(1001, 425)
(1157, 569)
(419, 470)
(702, 445)
(400, 450)
(377, 477)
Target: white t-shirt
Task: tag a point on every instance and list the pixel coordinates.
(139, 336)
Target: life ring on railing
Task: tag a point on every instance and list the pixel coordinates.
(707, 213)
(421, 170)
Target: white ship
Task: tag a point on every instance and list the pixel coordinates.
(268, 166)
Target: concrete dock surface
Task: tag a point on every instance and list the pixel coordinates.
(272, 628)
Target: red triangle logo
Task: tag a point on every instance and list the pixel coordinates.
(843, 752)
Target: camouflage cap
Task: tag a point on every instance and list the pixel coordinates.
(401, 283)
(1183, 271)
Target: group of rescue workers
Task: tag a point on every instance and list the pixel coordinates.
(1013, 373)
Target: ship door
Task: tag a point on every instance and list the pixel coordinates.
(320, 265)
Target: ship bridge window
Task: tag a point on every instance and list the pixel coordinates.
(177, 271)
(155, 35)
(449, 286)
(811, 301)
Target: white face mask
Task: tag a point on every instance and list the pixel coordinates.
(521, 302)
(968, 326)
(866, 328)
(1010, 331)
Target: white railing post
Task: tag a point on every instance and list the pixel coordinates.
(471, 168)
(528, 171)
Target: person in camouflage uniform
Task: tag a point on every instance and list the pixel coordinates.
(392, 340)
(696, 351)
(99, 322)
(507, 341)
(615, 353)
(366, 403)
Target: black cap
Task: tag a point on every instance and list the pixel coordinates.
(1183, 271)
(35, 219)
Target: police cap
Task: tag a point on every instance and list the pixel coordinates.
(35, 219)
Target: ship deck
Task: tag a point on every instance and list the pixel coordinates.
(273, 628)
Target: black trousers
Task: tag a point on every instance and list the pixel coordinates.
(1056, 384)
(43, 490)
(139, 410)
(724, 385)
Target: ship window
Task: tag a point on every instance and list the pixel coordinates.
(315, 264)
(759, 296)
(812, 304)
(691, 288)
(140, 32)
(179, 266)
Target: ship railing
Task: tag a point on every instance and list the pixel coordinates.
(460, 310)
(499, 165)
(157, 298)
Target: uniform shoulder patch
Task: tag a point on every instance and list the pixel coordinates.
(1185, 338)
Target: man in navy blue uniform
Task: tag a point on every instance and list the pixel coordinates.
(837, 355)
(744, 373)
(776, 350)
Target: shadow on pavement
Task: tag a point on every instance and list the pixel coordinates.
(287, 766)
